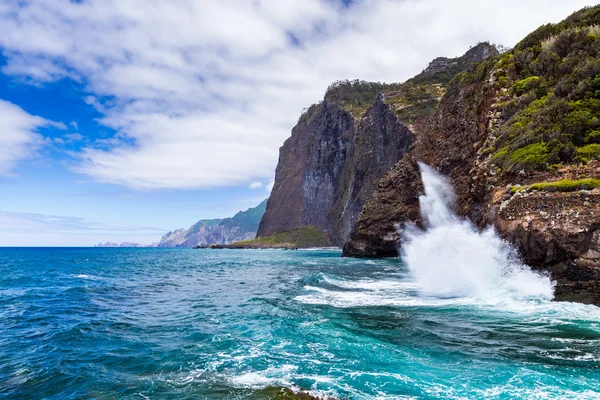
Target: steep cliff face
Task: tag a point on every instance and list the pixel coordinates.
(329, 167)
(341, 147)
(517, 135)
(242, 226)
(379, 141)
(309, 171)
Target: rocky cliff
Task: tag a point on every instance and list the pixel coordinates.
(518, 135)
(242, 226)
(341, 147)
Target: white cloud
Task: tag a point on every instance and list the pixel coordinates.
(73, 136)
(256, 185)
(19, 139)
(30, 229)
(202, 94)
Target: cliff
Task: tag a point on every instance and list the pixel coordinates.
(518, 135)
(341, 147)
(242, 226)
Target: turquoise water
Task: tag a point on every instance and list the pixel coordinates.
(209, 324)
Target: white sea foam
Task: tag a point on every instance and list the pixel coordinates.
(451, 258)
(272, 376)
(453, 264)
(370, 284)
(84, 276)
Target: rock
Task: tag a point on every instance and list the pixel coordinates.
(332, 163)
(330, 166)
(554, 231)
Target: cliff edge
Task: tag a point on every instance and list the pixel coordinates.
(518, 135)
(341, 147)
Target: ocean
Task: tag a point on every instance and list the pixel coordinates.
(81, 323)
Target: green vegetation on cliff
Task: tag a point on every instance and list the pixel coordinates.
(305, 237)
(549, 95)
(564, 185)
(411, 100)
(442, 70)
(355, 96)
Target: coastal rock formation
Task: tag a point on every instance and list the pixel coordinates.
(341, 147)
(242, 226)
(309, 172)
(518, 136)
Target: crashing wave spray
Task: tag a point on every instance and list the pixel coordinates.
(451, 258)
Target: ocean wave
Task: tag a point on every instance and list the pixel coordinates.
(85, 276)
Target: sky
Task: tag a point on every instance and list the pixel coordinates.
(123, 120)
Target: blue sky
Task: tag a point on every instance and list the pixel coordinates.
(122, 120)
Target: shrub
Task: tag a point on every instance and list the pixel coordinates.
(566, 185)
(532, 157)
(593, 137)
(589, 152)
(525, 85)
(308, 113)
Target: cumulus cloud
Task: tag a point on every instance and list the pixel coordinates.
(19, 139)
(73, 136)
(202, 94)
(256, 185)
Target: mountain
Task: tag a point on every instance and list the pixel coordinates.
(125, 244)
(242, 226)
(519, 136)
(341, 147)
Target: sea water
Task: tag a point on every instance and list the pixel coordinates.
(458, 316)
(224, 324)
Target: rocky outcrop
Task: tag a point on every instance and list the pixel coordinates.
(309, 171)
(341, 148)
(379, 141)
(330, 166)
(241, 226)
(443, 69)
(514, 134)
(560, 233)
(449, 144)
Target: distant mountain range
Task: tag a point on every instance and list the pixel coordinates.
(242, 226)
(125, 244)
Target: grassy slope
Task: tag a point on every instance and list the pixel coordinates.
(305, 237)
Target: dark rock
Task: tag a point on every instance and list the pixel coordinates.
(330, 166)
(555, 231)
